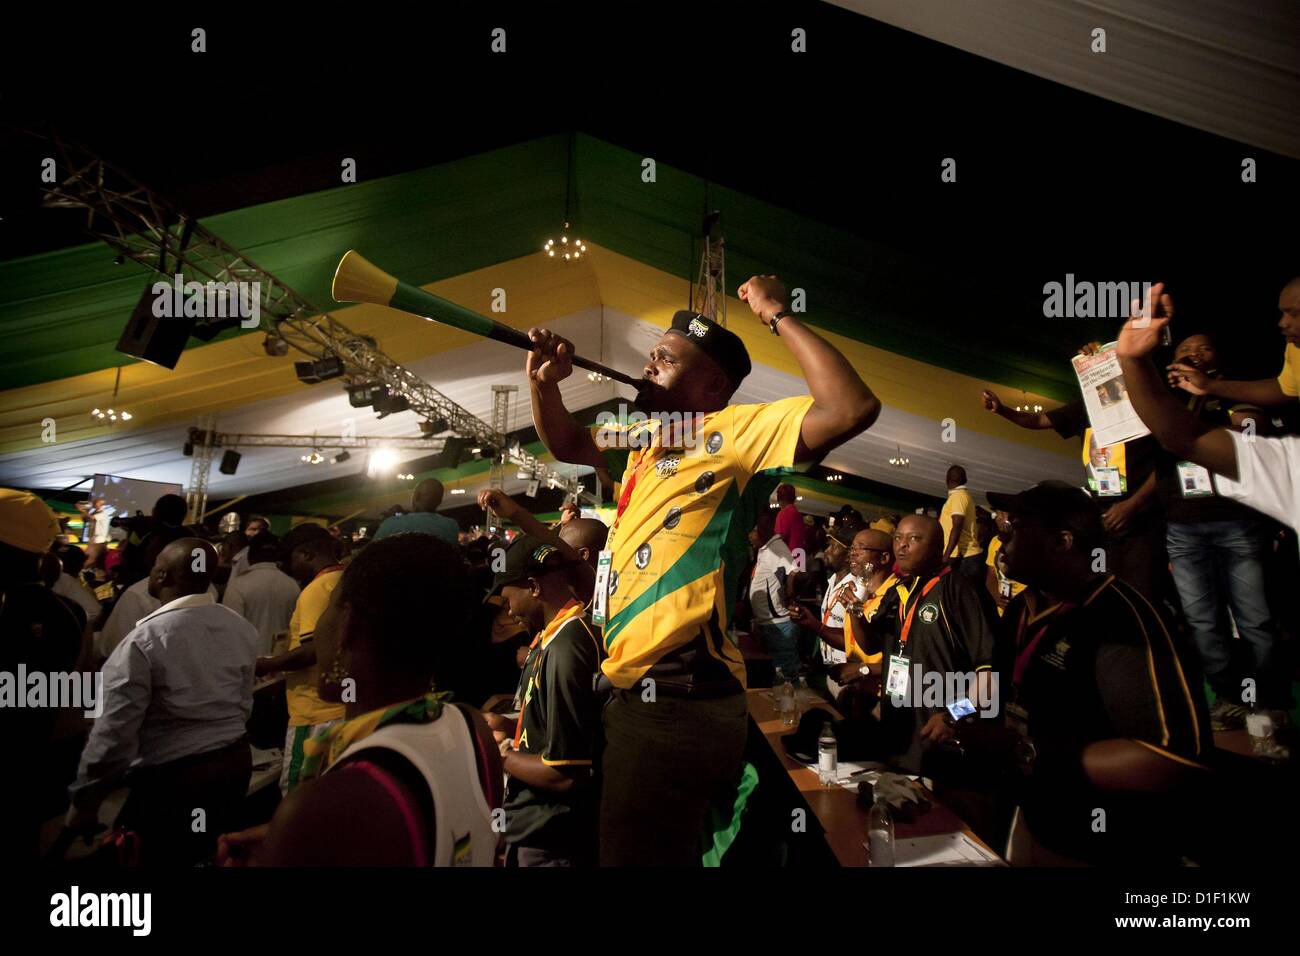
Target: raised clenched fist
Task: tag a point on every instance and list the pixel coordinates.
(551, 359)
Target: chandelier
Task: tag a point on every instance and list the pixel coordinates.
(110, 415)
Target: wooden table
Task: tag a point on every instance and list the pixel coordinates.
(835, 807)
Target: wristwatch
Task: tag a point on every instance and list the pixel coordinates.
(777, 318)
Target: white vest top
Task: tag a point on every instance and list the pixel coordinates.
(445, 754)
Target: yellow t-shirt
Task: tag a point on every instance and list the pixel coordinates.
(1289, 380)
(681, 544)
(305, 705)
(960, 503)
(995, 552)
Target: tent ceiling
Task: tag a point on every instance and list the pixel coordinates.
(61, 312)
(1218, 65)
(612, 307)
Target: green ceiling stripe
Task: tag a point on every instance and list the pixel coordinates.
(446, 220)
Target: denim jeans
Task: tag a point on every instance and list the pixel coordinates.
(781, 641)
(1218, 565)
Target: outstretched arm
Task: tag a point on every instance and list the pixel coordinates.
(1174, 426)
(843, 405)
(1262, 392)
(509, 509)
(1034, 420)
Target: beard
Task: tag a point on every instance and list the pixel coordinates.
(651, 397)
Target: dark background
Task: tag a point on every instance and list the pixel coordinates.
(1050, 180)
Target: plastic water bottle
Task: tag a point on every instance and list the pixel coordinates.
(880, 832)
(783, 691)
(828, 756)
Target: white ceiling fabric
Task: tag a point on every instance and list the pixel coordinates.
(1230, 67)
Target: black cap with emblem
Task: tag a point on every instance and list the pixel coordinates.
(527, 557)
(719, 344)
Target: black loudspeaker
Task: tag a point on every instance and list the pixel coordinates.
(453, 450)
(153, 339)
(229, 462)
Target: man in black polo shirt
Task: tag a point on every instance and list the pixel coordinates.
(936, 631)
(1105, 704)
(550, 800)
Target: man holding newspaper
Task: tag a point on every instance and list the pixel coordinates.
(1119, 459)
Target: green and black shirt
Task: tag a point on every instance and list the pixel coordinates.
(559, 721)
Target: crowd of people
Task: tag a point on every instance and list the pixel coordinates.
(574, 694)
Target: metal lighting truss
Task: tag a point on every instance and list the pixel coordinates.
(709, 293)
(234, 440)
(501, 395)
(196, 500)
(145, 227)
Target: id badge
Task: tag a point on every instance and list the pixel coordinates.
(1108, 482)
(896, 678)
(1194, 480)
(1004, 587)
(600, 597)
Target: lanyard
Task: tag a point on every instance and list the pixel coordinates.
(644, 458)
(849, 583)
(907, 623)
(567, 613)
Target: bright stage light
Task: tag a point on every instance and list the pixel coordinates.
(382, 462)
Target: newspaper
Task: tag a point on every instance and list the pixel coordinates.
(1106, 398)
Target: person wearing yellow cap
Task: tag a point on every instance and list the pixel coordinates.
(887, 525)
(39, 631)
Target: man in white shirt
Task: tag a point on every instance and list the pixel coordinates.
(177, 693)
(769, 592)
(71, 588)
(263, 595)
(1263, 473)
(98, 518)
(132, 605)
(842, 588)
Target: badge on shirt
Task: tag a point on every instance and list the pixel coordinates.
(896, 678)
(1108, 482)
(600, 598)
(1194, 481)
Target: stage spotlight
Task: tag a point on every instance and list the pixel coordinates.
(341, 457)
(361, 396)
(275, 346)
(387, 404)
(309, 373)
(230, 462)
(187, 449)
(487, 452)
(434, 427)
(382, 462)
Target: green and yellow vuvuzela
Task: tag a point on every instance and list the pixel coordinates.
(359, 280)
